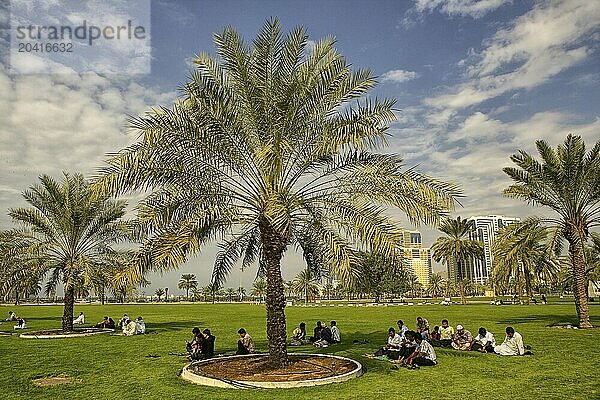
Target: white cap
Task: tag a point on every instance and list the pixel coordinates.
(459, 327)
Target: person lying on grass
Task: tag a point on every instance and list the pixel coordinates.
(245, 343)
(11, 316)
(512, 345)
(484, 342)
(462, 339)
(423, 356)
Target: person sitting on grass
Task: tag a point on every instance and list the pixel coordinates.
(245, 343)
(423, 356)
(462, 339)
(80, 320)
(336, 335)
(104, 324)
(194, 348)
(446, 334)
(208, 344)
(484, 342)
(512, 345)
(423, 327)
(316, 332)
(326, 337)
(392, 349)
(123, 320)
(402, 329)
(129, 327)
(11, 316)
(140, 326)
(434, 336)
(21, 324)
(299, 335)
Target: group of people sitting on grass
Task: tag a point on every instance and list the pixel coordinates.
(202, 345)
(415, 349)
(129, 327)
(323, 335)
(21, 324)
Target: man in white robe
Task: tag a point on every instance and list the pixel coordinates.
(512, 345)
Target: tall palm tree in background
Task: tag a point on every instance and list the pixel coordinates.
(187, 282)
(567, 181)
(18, 277)
(196, 294)
(464, 287)
(289, 288)
(525, 253)
(328, 290)
(414, 286)
(436, 285)
(259, 289)
(271, 147)
(211, 290)
(241, 291)
(160, 292)
(305, 285)
(68, 231)
(457, 248)
(230, 292)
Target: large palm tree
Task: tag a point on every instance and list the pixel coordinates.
(305, 285)
(436, 285)
(271, 147)
(457, 248)
(69, 231)
(567, 181)
(187, 282)
(259, 289)
(525, 252)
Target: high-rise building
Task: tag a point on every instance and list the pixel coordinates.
(417, 257)
(486, 229)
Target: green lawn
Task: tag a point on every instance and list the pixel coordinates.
(565, 364)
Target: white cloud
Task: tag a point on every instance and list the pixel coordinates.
(473, 153)
(472, 8)
(536, 47)
(399, 76)
(52, 123)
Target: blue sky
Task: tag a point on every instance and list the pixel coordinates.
(474, 80)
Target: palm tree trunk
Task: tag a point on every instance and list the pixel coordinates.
(67, 320)
(273, 245)
(578, 269)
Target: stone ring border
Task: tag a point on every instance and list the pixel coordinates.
(33, 335)
(192, 377)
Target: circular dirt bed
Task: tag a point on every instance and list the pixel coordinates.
(58, 333)
(253, 371)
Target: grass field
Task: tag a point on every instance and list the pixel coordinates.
(565, 364)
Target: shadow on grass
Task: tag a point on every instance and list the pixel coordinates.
(548, 319)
